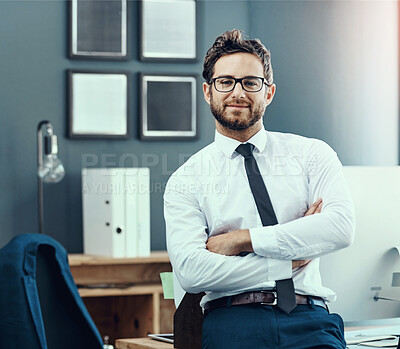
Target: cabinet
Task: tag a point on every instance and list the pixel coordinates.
(124, 295)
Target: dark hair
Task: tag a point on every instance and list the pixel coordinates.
(232, 42)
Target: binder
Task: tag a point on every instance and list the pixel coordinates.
(143, 212)
(103, 212)
(116, 211)
(131, 212)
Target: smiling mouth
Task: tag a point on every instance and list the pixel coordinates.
(239, 106)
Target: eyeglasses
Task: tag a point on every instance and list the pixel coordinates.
(249, 83)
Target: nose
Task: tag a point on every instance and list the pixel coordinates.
(238, 90)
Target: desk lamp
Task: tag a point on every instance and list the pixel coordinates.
(50, 168)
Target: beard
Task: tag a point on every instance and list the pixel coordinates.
(242, 120)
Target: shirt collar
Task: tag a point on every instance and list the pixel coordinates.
(228, 145)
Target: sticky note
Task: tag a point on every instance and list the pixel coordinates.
(167, 282)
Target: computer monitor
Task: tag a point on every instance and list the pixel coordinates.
(365, 270)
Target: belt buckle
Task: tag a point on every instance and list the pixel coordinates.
(275, 302)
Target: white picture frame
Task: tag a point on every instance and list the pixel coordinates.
(98, 104)
(168, 30)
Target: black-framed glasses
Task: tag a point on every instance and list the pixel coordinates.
(228, 83)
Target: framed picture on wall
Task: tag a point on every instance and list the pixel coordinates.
(98, 104)
(168, 30)
(168, 107)
(98, 29)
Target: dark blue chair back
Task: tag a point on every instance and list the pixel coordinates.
(40, 307)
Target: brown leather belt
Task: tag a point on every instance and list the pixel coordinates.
(261, 297)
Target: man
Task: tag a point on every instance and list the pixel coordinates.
(244, 251)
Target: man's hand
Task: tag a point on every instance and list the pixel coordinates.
(300, 263)
(231, 243)
(316, 207)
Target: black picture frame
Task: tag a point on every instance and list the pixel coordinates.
(168, 30)
(98, 29)
(98, 104)
(168, 107)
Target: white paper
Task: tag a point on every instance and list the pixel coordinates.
(358, 336)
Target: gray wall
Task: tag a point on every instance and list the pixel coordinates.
(33, 57)
(335, 69)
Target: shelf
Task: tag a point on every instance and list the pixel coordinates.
(84, 259)
(129, 291)
(90, 270)
(127, 312)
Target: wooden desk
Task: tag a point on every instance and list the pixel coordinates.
(141, 343)
(126, 312)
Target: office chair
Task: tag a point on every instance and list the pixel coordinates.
(65, 326)
(40, 307)
(188, 322)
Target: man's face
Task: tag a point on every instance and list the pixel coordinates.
(238, 110)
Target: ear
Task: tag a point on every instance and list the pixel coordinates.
(270, 93)
(206, 92)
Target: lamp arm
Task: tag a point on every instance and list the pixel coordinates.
(40, 163)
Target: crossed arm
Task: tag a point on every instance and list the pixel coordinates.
(203, 263)
(234, 242)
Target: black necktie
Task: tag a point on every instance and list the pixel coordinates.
(284, 288)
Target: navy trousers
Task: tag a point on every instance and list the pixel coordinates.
(259, 326)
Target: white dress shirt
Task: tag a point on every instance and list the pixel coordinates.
(210, 195)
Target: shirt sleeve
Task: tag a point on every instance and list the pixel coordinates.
(316, 235)
(198, 269)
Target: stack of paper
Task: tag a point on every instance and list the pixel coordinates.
(390, 343)
(374, 341)
(378, 337)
